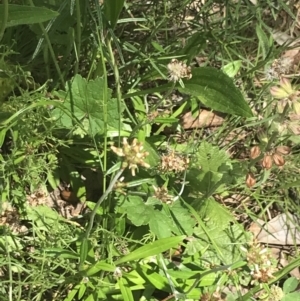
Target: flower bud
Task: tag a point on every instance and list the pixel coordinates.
(250, 180)
(278, 159)
(263, 137)
(283, 150)
(296, 107)
(267, 162)
(254, 152)
(277, 92)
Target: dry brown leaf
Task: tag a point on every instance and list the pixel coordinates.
(281, 230)
(204, 119)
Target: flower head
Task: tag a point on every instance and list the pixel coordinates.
(287, 94)
(178, 70)
(133, 155)
(285, 89)
(174, 163)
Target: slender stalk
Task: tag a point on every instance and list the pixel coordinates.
(78, 35)
(50, 49)
(100, 201)
(4, 18)
(118, 84)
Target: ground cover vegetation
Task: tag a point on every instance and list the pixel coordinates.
(149, 150)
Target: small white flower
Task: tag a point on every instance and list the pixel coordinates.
(178, 70)
(118, 272)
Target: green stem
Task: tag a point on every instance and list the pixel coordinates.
(78, 35)
(118, 83)
(4, 18)
(100, 201)
(50, 49)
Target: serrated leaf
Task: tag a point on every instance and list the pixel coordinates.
(83, 101)
(222, 233)
(217, 91)
(161, 224)
(44, 217)
(140, 213)
(137, 211)
(23, 14)
(210, 169)
(194, 246)
(217, 216)
(183, 217)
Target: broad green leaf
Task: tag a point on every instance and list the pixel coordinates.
(217, 216)
(183, 217)
(222, 233)
(195, 246)
(91, 205)
(153, 158)
(2, 136)
(152, 249)
(290, 285)
(9, 243)
(141, 213)
(81, 290)
(137, 211)
(125, 290)
(53, 179)
(72, 294)
(61, 253)
(295, 296)
(157, 46)
(139, 182)
(157, 280)
(112, 9)
(91, 297)
(167, 120)
(135, 277)
(83, 100)
(44, 217)
(217, 91)
(100, 266)
(162, 224)
(23, 14)
(83, 250)
(211, 168)
(232, 68)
